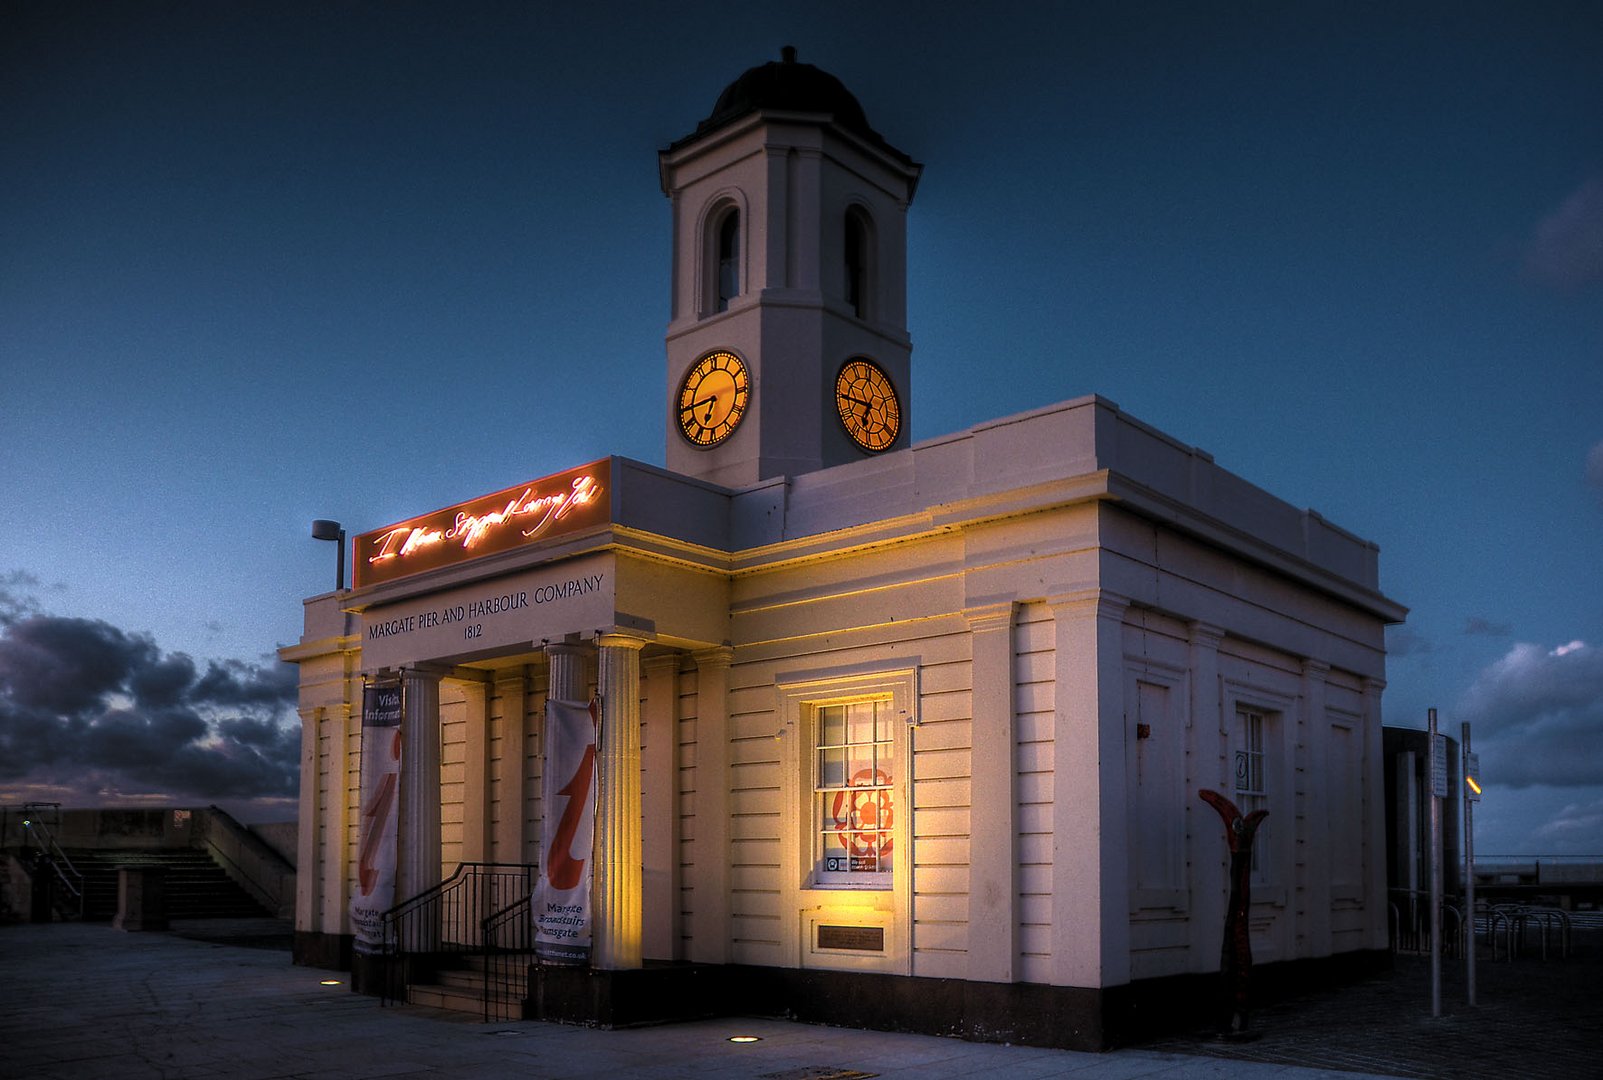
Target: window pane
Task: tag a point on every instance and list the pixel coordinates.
(860, 721)
(832, 768)
(832, 725)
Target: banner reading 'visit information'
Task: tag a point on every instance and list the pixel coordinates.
(381, 778)
(562, 897)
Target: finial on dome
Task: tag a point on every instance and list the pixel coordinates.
(787, 54)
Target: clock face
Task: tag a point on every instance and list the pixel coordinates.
(713, 398)
(867, 404)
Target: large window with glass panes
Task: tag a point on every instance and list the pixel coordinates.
(854, 805)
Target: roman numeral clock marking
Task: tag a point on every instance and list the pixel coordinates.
(713, 397)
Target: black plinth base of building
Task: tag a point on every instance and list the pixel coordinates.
(654, 994)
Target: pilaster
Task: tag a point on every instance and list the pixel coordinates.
(659, 793)
(1314, 824)
(709, 923)
(1374, 824)
(993, 810)
(1090, 883)
(476, 771)
(1207, 750)
(512, 695)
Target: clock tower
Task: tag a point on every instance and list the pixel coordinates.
(788, 348)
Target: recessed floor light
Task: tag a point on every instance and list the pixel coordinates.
(745, 1038)
(331, 982)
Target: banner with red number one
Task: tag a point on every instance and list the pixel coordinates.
(562, 895)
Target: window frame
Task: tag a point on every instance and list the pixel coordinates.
(807, 899)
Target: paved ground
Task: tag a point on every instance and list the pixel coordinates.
(1533, 1020)
(222, 1000)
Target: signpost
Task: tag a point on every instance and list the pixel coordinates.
(1472, 795)
(1438, 791)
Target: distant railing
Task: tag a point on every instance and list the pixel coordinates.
(446, 921)
(42, 855)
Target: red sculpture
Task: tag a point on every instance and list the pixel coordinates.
(1235, 954)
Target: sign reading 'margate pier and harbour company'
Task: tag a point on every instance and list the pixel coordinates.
(526, 514)
(509, 611)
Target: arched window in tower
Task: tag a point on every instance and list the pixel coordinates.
(728, 263)
(858, 260)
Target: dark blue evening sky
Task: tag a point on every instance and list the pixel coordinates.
(265, 262)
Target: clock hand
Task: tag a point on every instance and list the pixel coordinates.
(698, 403)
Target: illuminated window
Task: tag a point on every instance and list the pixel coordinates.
(728, 262)
(857, 248)
(854, 803)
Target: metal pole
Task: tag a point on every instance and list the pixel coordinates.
(1435, 873)
(339, 567)
(1469, 866)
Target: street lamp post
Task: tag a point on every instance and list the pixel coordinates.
(323, 529)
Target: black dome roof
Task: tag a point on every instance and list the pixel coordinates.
(785, 85)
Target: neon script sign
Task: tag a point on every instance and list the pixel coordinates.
(553, 506)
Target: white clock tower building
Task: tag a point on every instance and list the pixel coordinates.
(787, 348)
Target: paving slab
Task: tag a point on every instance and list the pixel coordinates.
(89, 1002)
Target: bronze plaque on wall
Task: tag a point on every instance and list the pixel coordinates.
(857, 938)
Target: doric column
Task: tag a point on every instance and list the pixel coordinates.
(567, 681)
(476, 771)
(1312, 754)
(1090, 882)
(993, 862)
(709, 926)
(617, 883)
(1206, 756)
(659, 795)
(418, 857)
(511, 693)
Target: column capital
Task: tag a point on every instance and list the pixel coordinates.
(1205, 634)
(1088, 602)
(431, 672)
(1374, 685)
(1313, 669)
(615, 639)
(717, 656)
(988, 617)
(562, 648)
(661, 664)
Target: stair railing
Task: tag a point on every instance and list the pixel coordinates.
(50, 858)
(508, 951)
(446, 920)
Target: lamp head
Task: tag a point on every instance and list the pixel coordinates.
(323, 529)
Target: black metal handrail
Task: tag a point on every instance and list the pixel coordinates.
(446, 920)
(50, 855)
(508, 937)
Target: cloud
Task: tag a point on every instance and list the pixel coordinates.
(86, 705)
(1477, 626)
(1538, 716)
(1401, 641)
(1580, 821)
(1594, 470)
(1566, 249)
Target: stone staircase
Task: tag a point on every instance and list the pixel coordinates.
(461, 987)
(195, 887)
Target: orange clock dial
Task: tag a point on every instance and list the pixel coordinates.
(867, 403)
(713, 398)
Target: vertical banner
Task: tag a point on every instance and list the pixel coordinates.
(568, 790)
(381, 779)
